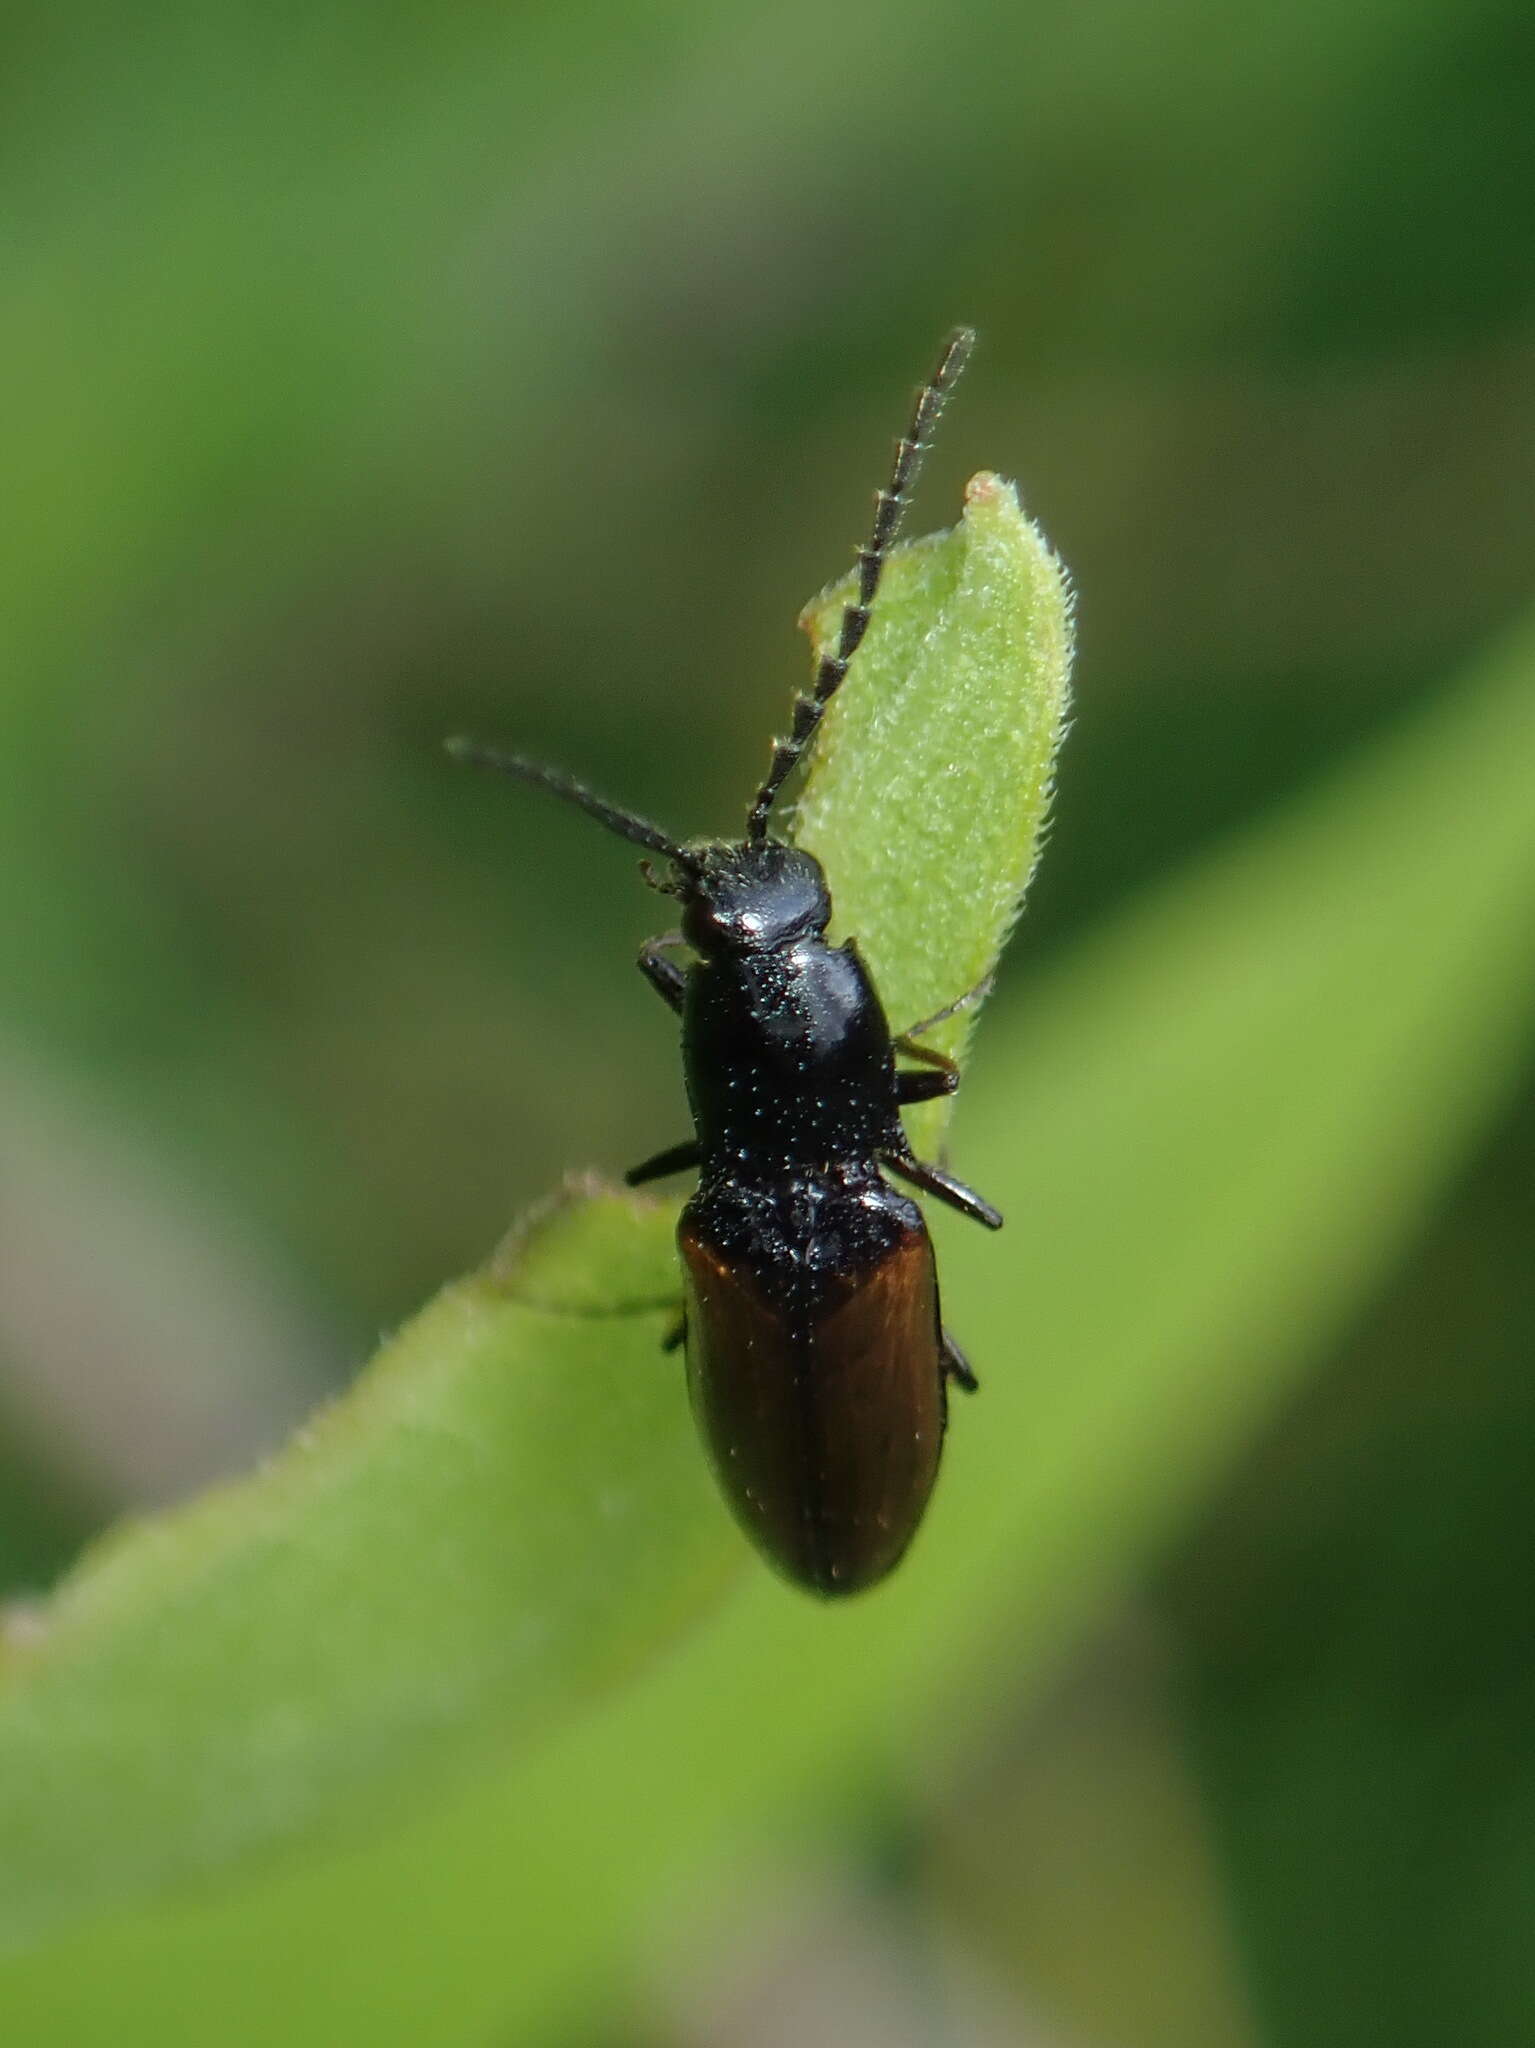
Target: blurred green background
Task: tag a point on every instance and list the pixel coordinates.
(377, 373)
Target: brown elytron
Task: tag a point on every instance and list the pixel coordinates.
(824, 1422)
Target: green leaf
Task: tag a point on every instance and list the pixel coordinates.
(1214, 1125)
(928, 797)
(506, 1511)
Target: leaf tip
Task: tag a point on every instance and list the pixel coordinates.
(986, 487)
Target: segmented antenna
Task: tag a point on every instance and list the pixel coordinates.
(889, 510)
(625, 823)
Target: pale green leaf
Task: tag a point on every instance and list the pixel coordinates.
(506, 1511)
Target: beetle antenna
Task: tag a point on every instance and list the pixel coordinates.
(625, 823)
(889, 510)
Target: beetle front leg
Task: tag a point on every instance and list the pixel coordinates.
(675, 1159)
(665, 976)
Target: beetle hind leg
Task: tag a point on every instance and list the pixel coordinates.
(956, 1366)
(934, 1181)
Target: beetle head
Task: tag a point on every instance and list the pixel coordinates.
(750, 898)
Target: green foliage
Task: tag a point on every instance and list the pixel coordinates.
(505, 1510)
(380, 372)
(1269, 1069)
(508, 1505)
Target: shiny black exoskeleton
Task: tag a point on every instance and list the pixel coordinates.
(817, 1358)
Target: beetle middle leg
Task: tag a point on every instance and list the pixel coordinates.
(943, 1075)
(926, 1086)
(934, 1181)
(906, 1040)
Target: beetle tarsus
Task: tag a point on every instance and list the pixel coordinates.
(928, 1056)
(977, 994)
(906, 1041)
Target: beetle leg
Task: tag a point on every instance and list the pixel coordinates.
(949, 1068)
(911, 1088)
(906, 1041)
(665, 976)
(675, 1159)
(934, 1181)
(956, 1366)
(977, 994)
(672, 1341)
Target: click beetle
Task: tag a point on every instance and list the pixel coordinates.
(817, 1359)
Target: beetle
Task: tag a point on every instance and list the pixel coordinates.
(817, 1359)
